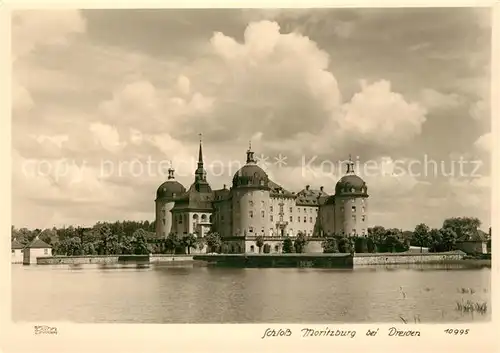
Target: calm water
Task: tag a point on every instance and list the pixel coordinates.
(90, 294)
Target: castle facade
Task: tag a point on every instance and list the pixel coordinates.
(256, 206)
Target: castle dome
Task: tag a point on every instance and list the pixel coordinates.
(251, 175)
(171, 188)
(351, 183)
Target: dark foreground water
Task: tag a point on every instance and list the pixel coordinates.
(89, 294)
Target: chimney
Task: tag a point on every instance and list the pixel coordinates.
(321, 188)
(307, 187)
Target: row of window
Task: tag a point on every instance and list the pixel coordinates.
(271, 208)
(271, 230)
(271, 217)
(353, 209)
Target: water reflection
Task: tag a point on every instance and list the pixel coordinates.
(160, 294)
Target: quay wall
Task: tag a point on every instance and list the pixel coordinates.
(113, 259)
(278, 260)
(405, 258)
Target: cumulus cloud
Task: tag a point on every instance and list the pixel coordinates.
(376, 114)
(107, 136)
(433, 99)
(484, 142)
(31, 28)
(479, 110)
(22, 101)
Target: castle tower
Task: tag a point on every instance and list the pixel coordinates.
(251, 199)
(351, 206)
(166, 195)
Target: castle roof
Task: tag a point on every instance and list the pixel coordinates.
(310, 197)
(351, 184)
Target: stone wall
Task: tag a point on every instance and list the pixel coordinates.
(405, 258)
(162, 258)
(108, 259)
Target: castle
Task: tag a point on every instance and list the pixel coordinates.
(257, 206)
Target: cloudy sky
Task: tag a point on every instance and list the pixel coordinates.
(104, 99)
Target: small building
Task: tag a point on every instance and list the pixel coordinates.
(37, 248)
(16, 252)
(474, 243)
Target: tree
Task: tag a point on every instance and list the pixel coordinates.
(449, 238)
(436, 240)
(370, 244)
(139, 243)
(71, 246)
(214, 241)
(172, 242)
(345, 245)
(189, 241)
(330, 246)
(421, 235)
(300, 243)
(361, 244)
(259, 241)
(464, 227)
(287, 246)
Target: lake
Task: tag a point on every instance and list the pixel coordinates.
(160, 294)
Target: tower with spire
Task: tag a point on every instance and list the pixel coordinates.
(200, 174)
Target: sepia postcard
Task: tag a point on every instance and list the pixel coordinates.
(312, 176)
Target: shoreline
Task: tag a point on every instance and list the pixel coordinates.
(312, 260)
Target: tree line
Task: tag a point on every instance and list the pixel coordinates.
(130, 237)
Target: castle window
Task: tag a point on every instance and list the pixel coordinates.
(251, 214)
(291, 218)
(262, 203)
(353, 208)
(305, 210)
(45, 251)
(204, 217)
(262, 213)
(310, 219)
(354, 218)
(195, 216)
(305, 219)
(291, 209)
(276, 248)
(363, 218)
(271, 218)
(252, 248)
(298, 219)
(271, 209)
(250, 229)
(298, 209)
(363, 209)
(251, 203)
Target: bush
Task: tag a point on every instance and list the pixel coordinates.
(361, 245)
(330, 246)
